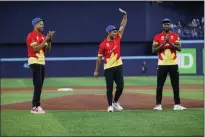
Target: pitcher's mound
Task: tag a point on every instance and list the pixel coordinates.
(99, 102)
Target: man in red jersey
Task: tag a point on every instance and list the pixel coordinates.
(113, 71)
(167, 43)
(38, 45)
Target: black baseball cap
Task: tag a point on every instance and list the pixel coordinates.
(166, 20)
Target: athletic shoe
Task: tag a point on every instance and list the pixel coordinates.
(37, 110)
(117, 106)
(110, 109)
(179, 107)
(158, 107)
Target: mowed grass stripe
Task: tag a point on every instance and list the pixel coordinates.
(99, 123)
(17, 123)
(90, 81)
(185, 94)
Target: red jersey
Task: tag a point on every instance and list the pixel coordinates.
(168, 55)
(111, 52)
(33, 56)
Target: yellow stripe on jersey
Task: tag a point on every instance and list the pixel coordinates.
(177, 42)
(112, 61)
(100, 55)
(39, 60)
(155, 43)
(167, 58)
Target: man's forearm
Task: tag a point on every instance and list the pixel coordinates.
(158, 48)
(40, 46)
(177, 47)
(124, 21)
(49, 46)
(97, 65)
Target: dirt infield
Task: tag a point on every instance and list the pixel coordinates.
(129, 101)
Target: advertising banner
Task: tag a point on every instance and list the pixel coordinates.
(187, 61)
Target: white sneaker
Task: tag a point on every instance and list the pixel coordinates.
(117, 106)
(179, 107)
(158, 107)
(110, 109)
(37, 110)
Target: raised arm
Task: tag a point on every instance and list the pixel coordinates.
(123, 22)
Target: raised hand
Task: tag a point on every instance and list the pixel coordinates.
(121, 10)
(52, 33)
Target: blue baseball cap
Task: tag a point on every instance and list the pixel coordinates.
(36, 20)
(110, 28)
(166, 20)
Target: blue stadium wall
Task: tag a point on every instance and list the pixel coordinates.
(80, 27)
(86, 21)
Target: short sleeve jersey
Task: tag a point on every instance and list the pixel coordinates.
(168, 55)
(33, 56)
(110, 50)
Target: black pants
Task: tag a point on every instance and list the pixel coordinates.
(38, 72)
(112, 75)
(162, 72)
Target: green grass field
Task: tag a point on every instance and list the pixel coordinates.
(100, 123)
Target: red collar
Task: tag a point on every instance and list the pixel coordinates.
(38, 33)
(166, 33)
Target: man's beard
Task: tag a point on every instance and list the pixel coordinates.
(166, 30)
(40, 30)
(111, 37)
